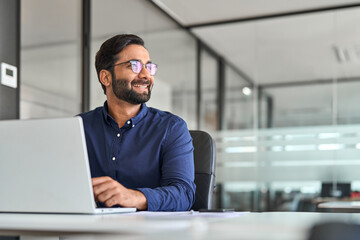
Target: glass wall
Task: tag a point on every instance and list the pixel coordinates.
(347, 93)
(209, 91)
(305, 140)
(239, 104)
(175, 82)
(308, 107)
(50, 58)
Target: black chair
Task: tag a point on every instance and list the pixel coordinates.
(335, 231)
(204, 161)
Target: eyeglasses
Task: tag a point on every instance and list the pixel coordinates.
(137, 66)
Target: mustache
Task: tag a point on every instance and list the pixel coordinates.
(141, 82)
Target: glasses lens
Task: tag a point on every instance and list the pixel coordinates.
(151, 67)
(136, 66)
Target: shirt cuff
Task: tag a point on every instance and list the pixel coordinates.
(153, 199)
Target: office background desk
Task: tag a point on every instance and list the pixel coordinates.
(269, 225)
(341, 206)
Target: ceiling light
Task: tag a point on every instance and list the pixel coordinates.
(331, 146)
(347, 54)
(247, 91)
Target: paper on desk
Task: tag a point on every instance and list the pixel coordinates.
(190, 214)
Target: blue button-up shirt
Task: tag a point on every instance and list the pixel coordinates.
(152, 153)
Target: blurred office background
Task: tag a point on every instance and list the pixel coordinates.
(276, 83)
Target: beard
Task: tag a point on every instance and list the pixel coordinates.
(121, 91)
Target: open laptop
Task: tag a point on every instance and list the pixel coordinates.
(44, 168)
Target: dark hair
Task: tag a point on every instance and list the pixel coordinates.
(107, 54)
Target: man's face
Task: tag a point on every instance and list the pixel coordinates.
(129, 86)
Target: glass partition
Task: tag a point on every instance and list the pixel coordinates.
(209, 88)
(238, 101)
(175, 84)
(305, 105)
(304, 144)
(50, 58)
(347, 96)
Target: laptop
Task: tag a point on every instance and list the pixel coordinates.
(44, 168)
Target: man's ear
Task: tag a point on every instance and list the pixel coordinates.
(105, 77)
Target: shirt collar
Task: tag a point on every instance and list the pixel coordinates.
(142, 113)
(130, 122)
(106, 114)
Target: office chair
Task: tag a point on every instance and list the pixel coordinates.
(204, 161)
(335, 231)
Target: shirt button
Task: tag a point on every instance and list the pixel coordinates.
(118, 135)
(113, 158)
(128, 122)
(133, 125)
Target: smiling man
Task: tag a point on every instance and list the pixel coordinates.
(139, 156)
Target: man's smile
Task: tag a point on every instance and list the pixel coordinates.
(141, 85)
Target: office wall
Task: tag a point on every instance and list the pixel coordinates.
(9, 53)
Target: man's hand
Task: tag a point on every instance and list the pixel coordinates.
(111, 192)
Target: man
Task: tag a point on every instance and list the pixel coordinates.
(139, 157)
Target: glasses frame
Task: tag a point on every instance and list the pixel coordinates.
(142, 66)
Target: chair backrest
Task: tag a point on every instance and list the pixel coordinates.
(204, 161)
(335, 231)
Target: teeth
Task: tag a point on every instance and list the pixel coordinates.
(142, 86)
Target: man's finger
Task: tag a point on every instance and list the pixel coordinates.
(101, 187)
(106, 195)
(100, 180)
(110, 202)
(110, 185)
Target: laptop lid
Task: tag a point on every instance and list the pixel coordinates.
(44, 167)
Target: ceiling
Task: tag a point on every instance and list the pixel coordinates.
(209, 11)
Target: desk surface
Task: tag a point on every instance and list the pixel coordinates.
(269, 225)
(341, 204)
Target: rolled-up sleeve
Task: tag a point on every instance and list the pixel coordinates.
(177, 187)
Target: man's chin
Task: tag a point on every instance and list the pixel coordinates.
(141, 92)
(133, 97)
(139, 99)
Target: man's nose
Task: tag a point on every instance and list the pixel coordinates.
(144, 73)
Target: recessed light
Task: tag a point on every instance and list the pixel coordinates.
(247, 91)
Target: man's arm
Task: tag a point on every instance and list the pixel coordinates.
(111, 192)
(177, 188)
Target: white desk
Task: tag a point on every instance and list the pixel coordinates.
(270, 225)
(343, 206)
(53, 225)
